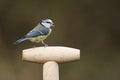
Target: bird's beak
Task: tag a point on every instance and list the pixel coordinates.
(52, 25)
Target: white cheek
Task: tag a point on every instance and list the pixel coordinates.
(46, 25)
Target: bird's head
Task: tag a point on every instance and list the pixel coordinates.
(47, 23)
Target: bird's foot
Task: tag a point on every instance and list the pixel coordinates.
(45, 45)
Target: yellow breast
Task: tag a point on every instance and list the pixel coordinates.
(39, 38)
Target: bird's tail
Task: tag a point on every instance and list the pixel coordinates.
(20, 40)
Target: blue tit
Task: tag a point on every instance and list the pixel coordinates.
(39, 33)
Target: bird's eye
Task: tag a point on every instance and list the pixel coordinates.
(47, 22)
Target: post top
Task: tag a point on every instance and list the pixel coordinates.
(51, 53)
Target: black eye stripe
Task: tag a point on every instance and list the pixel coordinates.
(48, 22)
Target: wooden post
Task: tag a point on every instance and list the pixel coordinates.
(50, 57)
(50, 71)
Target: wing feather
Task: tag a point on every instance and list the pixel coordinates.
(35, 33)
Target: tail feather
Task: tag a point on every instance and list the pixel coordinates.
(20, 40)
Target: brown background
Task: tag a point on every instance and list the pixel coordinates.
(90, 25)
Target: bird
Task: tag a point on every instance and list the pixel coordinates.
(39, 33)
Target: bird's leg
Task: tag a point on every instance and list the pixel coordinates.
(44, 44)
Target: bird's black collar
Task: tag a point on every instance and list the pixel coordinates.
(42, 24)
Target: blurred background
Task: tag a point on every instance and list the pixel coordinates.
(89, 25)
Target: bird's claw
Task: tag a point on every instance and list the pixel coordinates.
(45, 45)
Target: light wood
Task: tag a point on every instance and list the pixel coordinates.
(51, 53)
(51, 56)
(50, 71)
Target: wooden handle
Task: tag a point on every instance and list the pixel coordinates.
(50, 71)
(51, 53)
(50, 56)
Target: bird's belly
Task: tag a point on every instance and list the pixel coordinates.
(38, 39)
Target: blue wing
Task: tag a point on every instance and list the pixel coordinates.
(35, 33)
